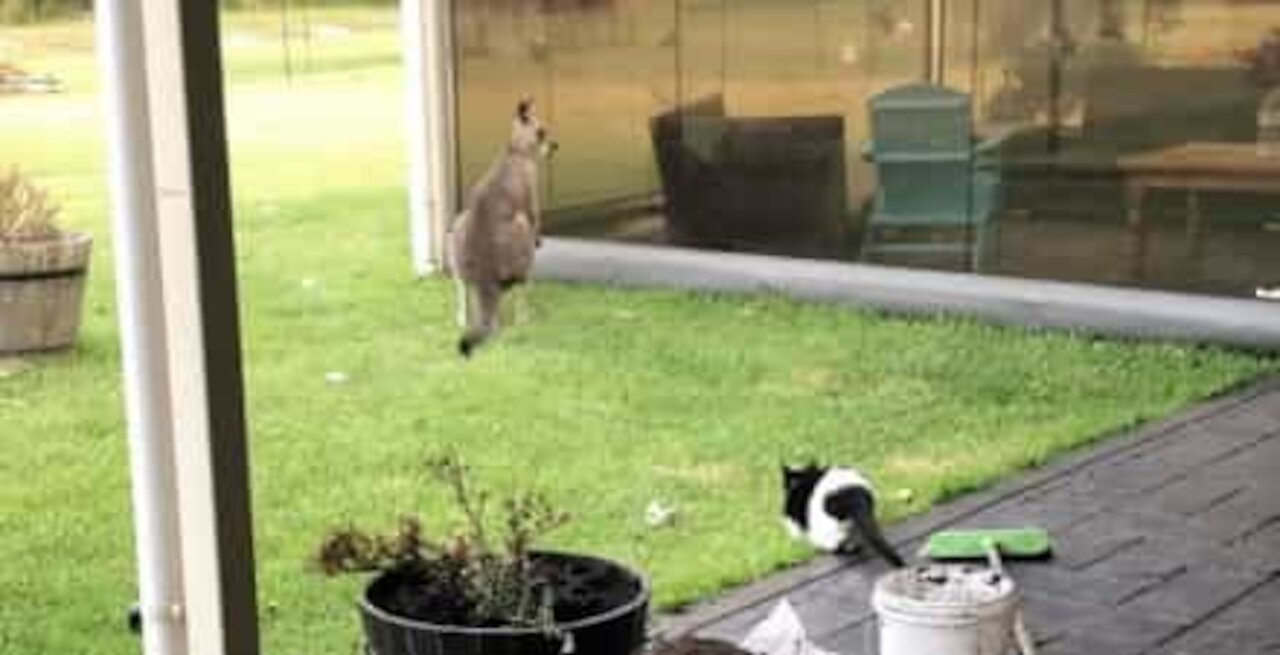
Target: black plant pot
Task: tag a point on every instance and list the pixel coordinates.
(601, 609)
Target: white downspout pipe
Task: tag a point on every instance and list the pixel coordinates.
(426, 41)
(141, 308)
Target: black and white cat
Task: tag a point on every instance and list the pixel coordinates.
(834, 509)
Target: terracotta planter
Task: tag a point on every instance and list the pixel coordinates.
(41, 292)
(611, 611)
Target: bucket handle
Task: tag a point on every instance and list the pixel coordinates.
(567, 644)
(1022, 637)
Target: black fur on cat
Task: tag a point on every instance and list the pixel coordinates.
(847, 507)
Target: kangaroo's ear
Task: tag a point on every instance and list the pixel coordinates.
(524, 109)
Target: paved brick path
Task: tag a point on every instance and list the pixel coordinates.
(1167, 542)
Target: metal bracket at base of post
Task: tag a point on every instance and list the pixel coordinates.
(135, 616)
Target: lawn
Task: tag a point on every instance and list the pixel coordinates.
(605, 399)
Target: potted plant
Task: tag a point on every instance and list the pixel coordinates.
(487, 592)
(42, 270)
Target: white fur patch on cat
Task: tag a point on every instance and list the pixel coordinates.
(824, 530)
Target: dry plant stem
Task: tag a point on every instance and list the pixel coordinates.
(452, 472)
(26, 213)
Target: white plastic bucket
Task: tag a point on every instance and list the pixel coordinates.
(946, 610)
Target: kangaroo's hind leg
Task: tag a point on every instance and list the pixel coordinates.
(454, 260)
(484, 324)
(523, 306)
(527, 238)
(463, 303)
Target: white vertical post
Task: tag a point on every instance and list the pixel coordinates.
(142, 325)
(189, 152)
(937, 22)
(172, 153)
(179, 326)
(427, 43)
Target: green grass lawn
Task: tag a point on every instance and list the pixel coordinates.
(605, 399)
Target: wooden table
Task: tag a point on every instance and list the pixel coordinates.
(1193, 167)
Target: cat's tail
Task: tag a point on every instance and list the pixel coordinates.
(856, 504)
(867, 526)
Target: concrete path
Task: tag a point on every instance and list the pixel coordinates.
(1167, 543)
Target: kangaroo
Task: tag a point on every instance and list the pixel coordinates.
(494, 238)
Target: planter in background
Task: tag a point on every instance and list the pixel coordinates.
(601, 608)
(41, 292)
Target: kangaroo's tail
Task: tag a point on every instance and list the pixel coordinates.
(482, 325)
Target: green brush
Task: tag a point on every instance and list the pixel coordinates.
(1017, 543)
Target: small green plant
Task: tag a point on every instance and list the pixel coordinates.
(467, 578)
(26, 213)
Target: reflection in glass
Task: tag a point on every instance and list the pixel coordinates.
(1131, 152)
(1127, 139)
(598, 70)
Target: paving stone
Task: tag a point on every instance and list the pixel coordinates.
(823, 618)
(1050, 616)
(735, 626)
(1202, 492)
(1059, 625)
(1088, 644)
(852, 585)
(1247, 626)
(1071, 586)
(1182, 454)
(851, 638)
(1126, 545)
(1191, 596)
(1058, 508)
(1217, 642)
(1266, 450)
(1244, 422)
(1264, 409)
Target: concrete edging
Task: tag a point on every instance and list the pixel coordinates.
(1112, 311)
